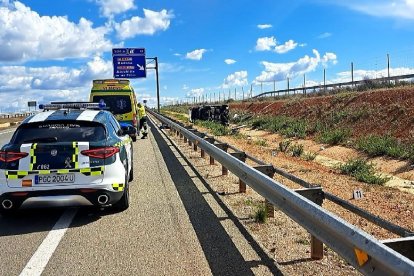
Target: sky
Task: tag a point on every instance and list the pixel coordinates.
(52, 50)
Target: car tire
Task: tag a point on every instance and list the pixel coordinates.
(123, 203)
(131, 173)
(134, 138)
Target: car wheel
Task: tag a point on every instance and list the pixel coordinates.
(123, 203)
(131, 173)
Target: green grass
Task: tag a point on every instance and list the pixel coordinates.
(260, 215)
(216, 128)
(289, 127)
(334, 136)
(362, 171)
(261, 143)
(375, 145)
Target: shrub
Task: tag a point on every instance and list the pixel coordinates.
(297, 150)
(362, 171)
(334, 137)
(309, 156)
(284, 145)
(375, 145)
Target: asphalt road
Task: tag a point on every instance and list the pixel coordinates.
(171, 228)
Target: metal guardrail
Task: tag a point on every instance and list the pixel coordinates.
(334, 85)
(396, 229)
(347, 240)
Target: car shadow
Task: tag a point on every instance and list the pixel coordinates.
(223, 256)
(36, 220)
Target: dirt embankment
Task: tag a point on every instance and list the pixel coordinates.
(380, 112)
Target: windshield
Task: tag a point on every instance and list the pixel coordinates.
(59, 132)
(117, 104)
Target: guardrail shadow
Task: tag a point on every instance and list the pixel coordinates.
(221, 253)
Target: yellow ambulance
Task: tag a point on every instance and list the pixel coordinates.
(119, 97)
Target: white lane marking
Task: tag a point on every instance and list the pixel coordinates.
(41, 257)
(12, 130)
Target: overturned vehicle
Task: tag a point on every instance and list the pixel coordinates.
(217, 113)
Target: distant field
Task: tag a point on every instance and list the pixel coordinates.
(11, 120)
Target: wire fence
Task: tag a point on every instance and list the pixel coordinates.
(369, 72)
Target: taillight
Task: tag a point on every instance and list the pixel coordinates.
(10, 156)
(134, 119)
(101, 153)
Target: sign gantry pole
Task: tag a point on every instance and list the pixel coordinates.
(155, 60)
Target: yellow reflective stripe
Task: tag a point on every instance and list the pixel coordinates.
(63, 171)
(12, 177)
(32, 156)
(44, 172)
(118, 186)
(96, 173)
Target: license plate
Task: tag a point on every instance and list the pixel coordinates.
(55, 178)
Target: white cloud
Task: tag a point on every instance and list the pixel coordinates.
(236, 79)
(25, 35)
(281, 71)
(196, 54)
(195, 92)
(185, 87)
(324, 35)
(151, 23)
(229, 61)
(264, 26)
(265, 43)
(329, 57)
(46, 84)
(270, 44)
(371, 74)
(177, 54)
(400, 9)
(288, 46)
(108, 8)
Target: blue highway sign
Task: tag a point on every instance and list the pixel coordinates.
(129, 63)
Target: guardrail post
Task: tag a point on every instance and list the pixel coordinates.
(211, 141)
(242, 157)
(224, 147)
(199, 134)
(268, 170)
(317, 196)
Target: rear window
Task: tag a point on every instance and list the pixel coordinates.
(50, 132)
(117, 104)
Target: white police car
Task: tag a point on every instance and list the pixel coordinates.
(71, 153)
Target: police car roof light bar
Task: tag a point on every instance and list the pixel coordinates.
(72, 105)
